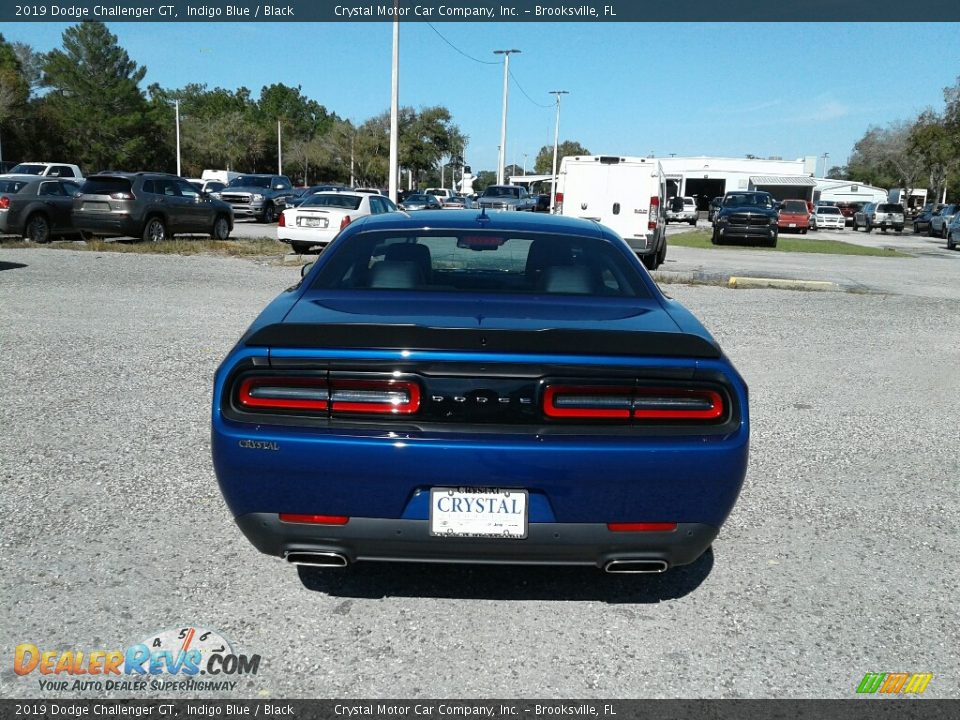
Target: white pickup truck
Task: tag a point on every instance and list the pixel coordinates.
(48, 169)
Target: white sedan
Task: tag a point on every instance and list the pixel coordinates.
(316, 221)
(827, 217)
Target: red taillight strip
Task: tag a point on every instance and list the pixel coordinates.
(642, 527)
(314, 519)
(284, 393)
(638, 403)
(396, 397)
(667, 404)
(587, 401)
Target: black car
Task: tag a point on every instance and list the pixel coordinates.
(921, 222)
(301, 194)
(36, 207)
(746, 216)
(151, 206)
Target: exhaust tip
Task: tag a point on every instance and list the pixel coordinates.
(633, 566)
(317, 559)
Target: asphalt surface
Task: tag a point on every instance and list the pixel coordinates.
(839, 559)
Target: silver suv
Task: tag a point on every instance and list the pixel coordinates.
(885, 216)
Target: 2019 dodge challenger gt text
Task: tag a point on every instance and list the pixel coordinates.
(451, 386)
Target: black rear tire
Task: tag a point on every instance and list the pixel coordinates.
(37, 228)
(301, 248)
(155, 230)
(269, 214)
(221, 228)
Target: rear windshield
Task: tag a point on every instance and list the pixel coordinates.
(485, 262)
(794, 206)
(250, 181)
(28, 169)
(105, 186)
(346, 202)
(11, 186)
(890, 208)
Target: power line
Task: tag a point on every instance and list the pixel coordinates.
(470, 57)
(520, 88)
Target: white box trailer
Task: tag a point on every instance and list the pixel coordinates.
(624, 193)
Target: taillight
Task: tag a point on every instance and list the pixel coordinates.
(279, 393)
(314, 519)
(395, 397)
(4, 202)
(632, 403)
(558, 203)
(344, 222)
(281, 221)
(654, 216)
(642, 527)
(388, 396)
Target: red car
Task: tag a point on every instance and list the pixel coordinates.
(794, 216)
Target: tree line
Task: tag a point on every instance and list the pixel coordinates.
(912, 154)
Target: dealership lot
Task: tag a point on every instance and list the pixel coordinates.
(837, 560)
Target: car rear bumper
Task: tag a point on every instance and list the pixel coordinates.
(380, 539)
(107, 224)
(288, 234)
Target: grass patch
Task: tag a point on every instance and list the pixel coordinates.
(179, 246)
(802, 244)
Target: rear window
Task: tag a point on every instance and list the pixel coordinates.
(345, 202)
(794, 206)
(28, 169)
(11, 186)
(485, 262)
(890, 208)
(105, 186)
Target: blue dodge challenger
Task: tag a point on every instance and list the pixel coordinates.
(454, 386)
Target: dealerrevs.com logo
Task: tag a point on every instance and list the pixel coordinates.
(186, 658)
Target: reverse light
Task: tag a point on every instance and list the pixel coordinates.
(123, 196)
(632, 403)
(393, 397)
(344, 222)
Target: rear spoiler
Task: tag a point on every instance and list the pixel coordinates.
(362, 336)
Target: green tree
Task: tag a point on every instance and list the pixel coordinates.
(14, 88)
(103, 117)
(932, 141)
(544, 162)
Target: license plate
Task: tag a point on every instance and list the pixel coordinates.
(478, 512)
(312, 222)
(98, 206)
(792, 225)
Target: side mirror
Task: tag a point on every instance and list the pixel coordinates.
(304, 269)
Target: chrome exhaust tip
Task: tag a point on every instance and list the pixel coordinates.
(316, 559)
(633, 565)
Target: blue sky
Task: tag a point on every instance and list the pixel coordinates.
(768, 89)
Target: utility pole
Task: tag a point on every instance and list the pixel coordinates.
(503, 120)
(556, 140)
(177, 115)
(279, 150)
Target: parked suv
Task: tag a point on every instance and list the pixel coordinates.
(36, 207)
(682, 209)
(940, 220)
(151, 206)
(746, 216)
(886, 216)
(260, 196)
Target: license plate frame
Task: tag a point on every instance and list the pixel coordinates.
(312, 223)
(469, 521)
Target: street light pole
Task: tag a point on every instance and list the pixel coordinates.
(503, 120)
(556, 140)
(279, 150)
(177, 114)
(825, 156)
(394, 108)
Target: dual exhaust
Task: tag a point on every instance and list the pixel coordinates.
(338, 560)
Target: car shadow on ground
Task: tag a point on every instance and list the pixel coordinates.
(11, 266)
(505, 582)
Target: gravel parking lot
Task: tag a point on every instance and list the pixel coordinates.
(838, 560)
